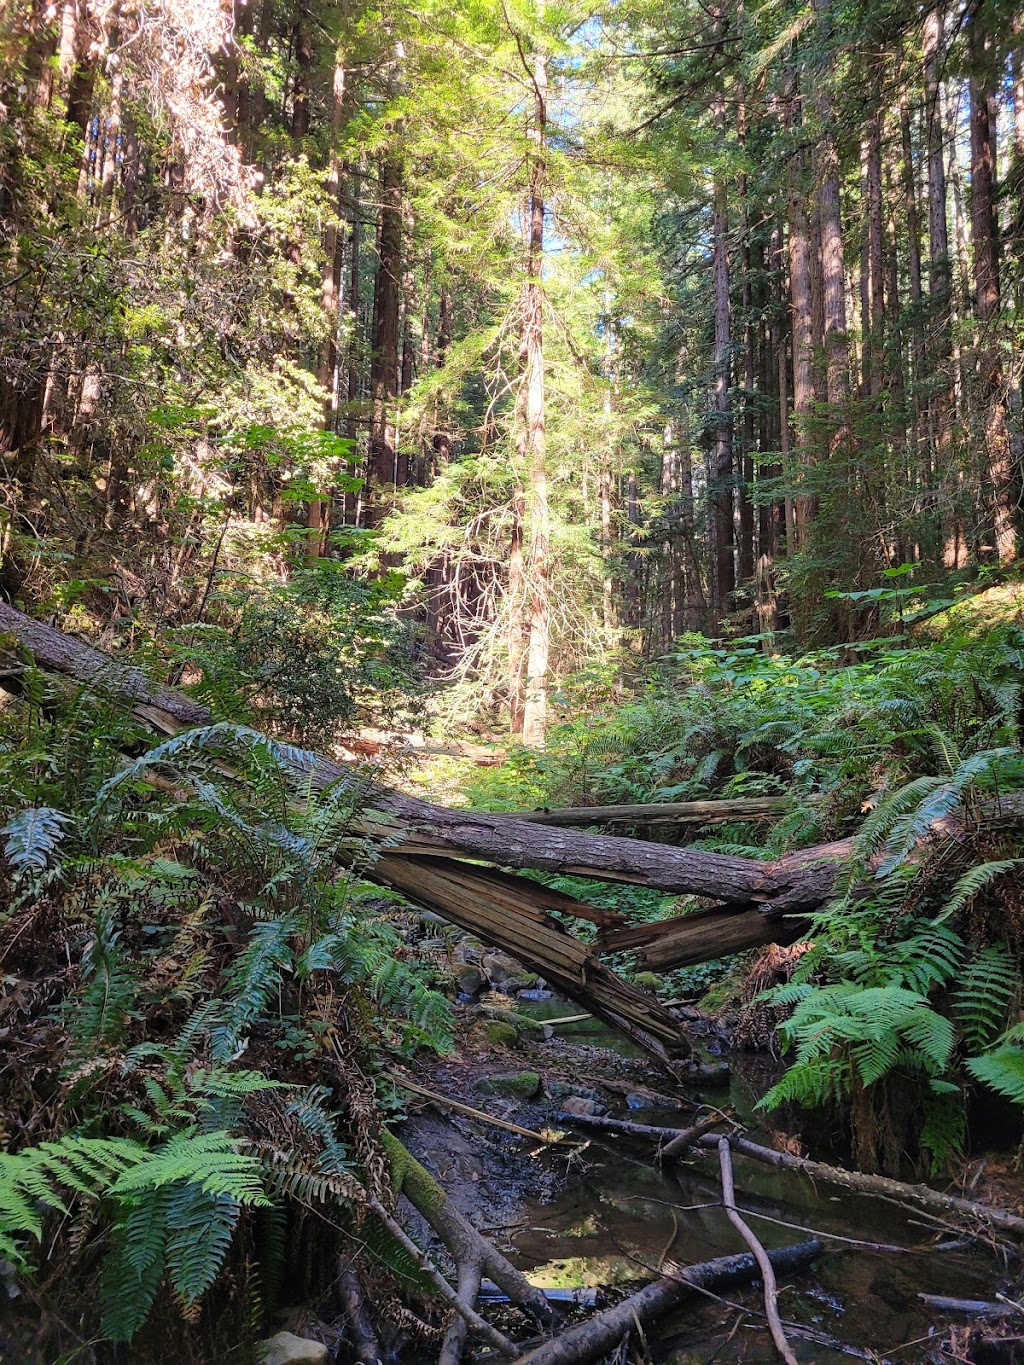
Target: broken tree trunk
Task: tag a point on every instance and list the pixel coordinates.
(791, 884)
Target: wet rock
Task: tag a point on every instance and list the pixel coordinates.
(287, 1349)
(577, 1104)
(563, 1090)
(522, 1023)
(516, 1085)
(536, 995)
(515, 985)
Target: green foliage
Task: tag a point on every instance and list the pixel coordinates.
(238, 821)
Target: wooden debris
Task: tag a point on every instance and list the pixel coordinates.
(601, 1333)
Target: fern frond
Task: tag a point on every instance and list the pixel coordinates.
(32, 837)
(973, 882)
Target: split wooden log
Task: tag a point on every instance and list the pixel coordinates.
(600, 1334)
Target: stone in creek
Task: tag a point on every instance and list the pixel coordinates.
(536, 995)
(576, 1104)
(517, 1085)
(287, 1349)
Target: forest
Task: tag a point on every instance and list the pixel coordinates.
(511, 681)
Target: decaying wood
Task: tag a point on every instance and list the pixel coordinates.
(663, 813)
(473, 898)
(605, 1330)
(771, 1289)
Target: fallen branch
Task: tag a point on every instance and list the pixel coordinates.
(365, 1346)
(416, 1089)
(975, 1308)
(592, 1339)
(473, 1319)
(771, 1291)
(466, 1245)
(879, 1185)
(684, 1140)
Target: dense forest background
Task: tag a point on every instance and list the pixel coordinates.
(609, 324)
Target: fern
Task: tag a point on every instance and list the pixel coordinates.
(32, 837)
(972, 883)
(1002, 1067)
(989, 986)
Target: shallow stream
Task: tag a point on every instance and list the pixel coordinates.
(618, 1218)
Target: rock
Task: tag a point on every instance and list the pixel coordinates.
(501, 1035)
(287, 1349)
(469, 979)
(517, 1085)
(522, 1023)
(499, 968)
(563, 1090)
(577, 1104)
(536, 995)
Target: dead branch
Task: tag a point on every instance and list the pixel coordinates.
(601, 1333)
(771, 1291)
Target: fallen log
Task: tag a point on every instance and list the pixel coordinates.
(600, 1334)
(789, 884)
(736, 809)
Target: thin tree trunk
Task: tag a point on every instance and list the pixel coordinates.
(384, 359)
(532, 432)
(720, 489)
(985, 240)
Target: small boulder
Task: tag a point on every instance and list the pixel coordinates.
(287, 1349)
(563, 1090)
(576, 1104)
(469, 979)
(501, 1035)
(516, 1085)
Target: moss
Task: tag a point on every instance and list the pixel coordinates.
(410, 1178)
(647, 981)
(519, 1085)
(501, 1035)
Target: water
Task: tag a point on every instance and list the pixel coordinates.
(618, 1219)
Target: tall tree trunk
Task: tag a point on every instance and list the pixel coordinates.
(532, 433)
(380, 458)
(985, 241)
(319, 511)
(802, 315)
(720, 482)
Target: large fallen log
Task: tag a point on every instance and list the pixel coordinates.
(790, 884)
(738, 809)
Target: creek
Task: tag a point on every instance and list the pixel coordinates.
(617, 1218)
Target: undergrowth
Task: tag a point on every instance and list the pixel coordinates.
(198, 1008)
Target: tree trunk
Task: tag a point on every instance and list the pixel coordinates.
(802, 315)
(384, 359)
(721, 532)
(985, 241)
(532, 432)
